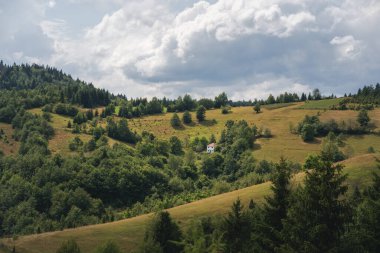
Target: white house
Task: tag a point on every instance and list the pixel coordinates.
(211, 148)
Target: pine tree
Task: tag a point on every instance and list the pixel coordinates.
(236, 228)
(317, 212)
(175, 121)
(186, 117)
(164, 232)
(201, 113)
(363, 118)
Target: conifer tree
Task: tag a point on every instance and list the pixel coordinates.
(317, 212)
(201, 113)
(186, 117)
(237, 229)
(175, 121)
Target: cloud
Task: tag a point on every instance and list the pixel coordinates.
(347, 47)
(247, 48)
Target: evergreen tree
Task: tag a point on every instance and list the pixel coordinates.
(175, 121)
(317, 212)
(221, 100)
(175, 145)
(165, 233)
(186, 117)
(276, 206)
(201, 113)
(363, 118)
(236, 227)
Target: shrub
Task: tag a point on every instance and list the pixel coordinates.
(371, 150)
(201, 113)
(69, 247)
(186, 117)
(175, 121)
(308, 132)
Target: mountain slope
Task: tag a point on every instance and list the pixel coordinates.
(129, 232)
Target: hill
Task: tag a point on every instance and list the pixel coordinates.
(129, 232)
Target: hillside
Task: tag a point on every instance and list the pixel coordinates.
(129, 232)
(278, 120)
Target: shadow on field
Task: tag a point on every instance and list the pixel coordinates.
(208, 122)
(256, 146)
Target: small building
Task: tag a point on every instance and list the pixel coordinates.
(211, 148)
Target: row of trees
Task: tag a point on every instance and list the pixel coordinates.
(311, 127)
(187, 118)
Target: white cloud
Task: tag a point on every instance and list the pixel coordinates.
(247, 48)
(348, 47)
(51, 4)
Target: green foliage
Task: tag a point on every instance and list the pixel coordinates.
(175, 121)
(206, 102)
(201, 113)
(108, 247)
(69, 246)
(330, 148)
(317, 213)
(121, 131)
(186, 117)
(221, 100)
(237, 229)
(257, 108)
(226, 109)
(175, 146)
(165, 232)
(363, 118)
(75, 144)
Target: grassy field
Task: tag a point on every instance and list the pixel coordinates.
(63, 135)
(129, 232)
(277, 120)
(277, 106)
(320, 104)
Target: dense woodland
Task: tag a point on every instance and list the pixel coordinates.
(42, 192)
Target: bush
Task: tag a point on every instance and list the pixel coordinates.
(108, 247)
(308, 132)
(371, 150)
(226, 109)
(267, 133)
(175, 121)
(201, 113)
(186, 117)
(257, 108)
(69, 247)
(75, 144)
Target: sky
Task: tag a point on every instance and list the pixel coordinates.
(247, 48)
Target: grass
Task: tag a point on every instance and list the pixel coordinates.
(320, 104)
(7, 144)
(128, 233)
(277, 120)
(61, 139)
(277, 106)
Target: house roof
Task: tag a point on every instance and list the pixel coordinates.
(212, 145)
